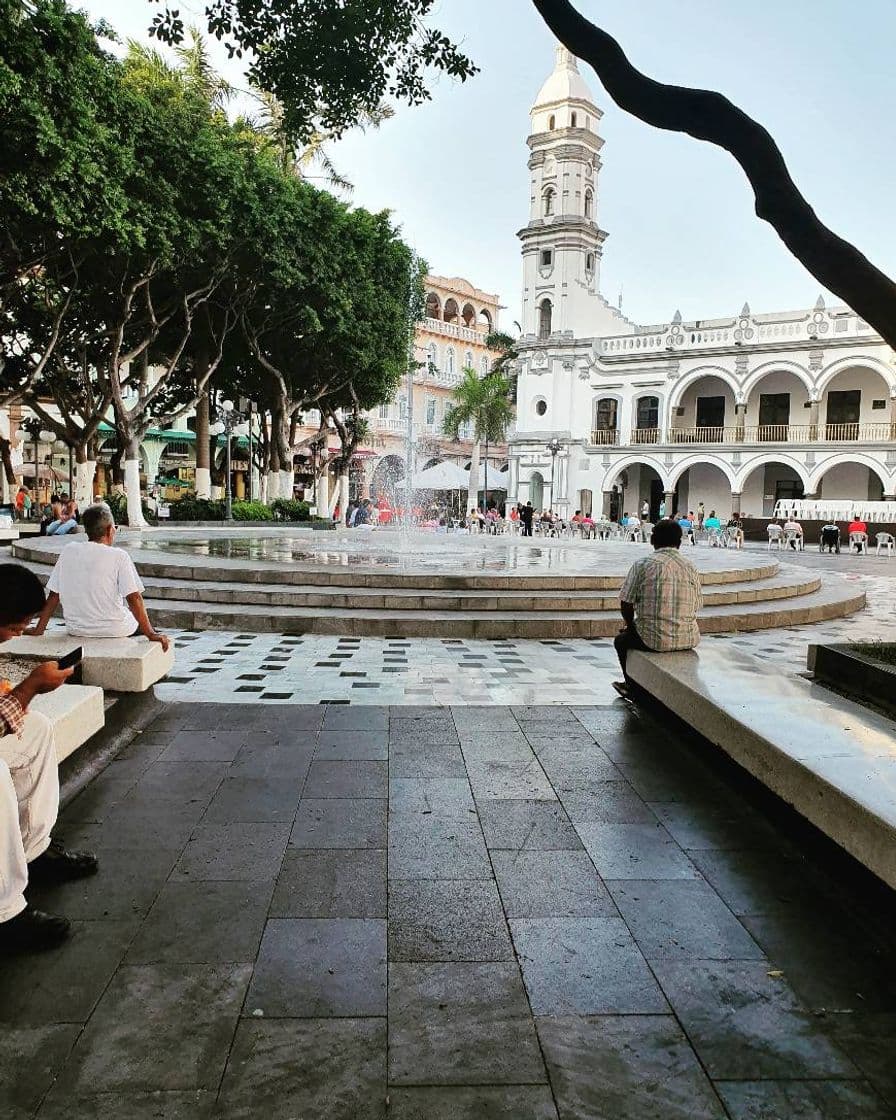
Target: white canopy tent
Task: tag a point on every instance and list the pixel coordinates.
(442, 476)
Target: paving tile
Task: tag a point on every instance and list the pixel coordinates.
(682, 918)
(206, 923)
(65, 985)
(310, 967)
(803, 1100)
(233, 851)
(518, 781)
(340, 823)
(630, 1067)
(605, 803)
(446, 920)
(204, 746)
(125, 885)
(440, 733)
(426, 795)
(466, 1024)
(196, 1105)
(747, 1025)
(331, 884)
(717, 825)
(634, 851)
(349, 718)
(412, 759)
(346, 779)
(510, 1102)
(584, 966)
(496, 746)
(572, 767)
(830, 963)
(30, 1059)
(474, 718)
(437, 846)
(550, 885)
(296, 1068)
(348, 746)
(277, 762)
(243, 799)
(870, 1041)
(764, 882)
(538, 825)
(159, 1027)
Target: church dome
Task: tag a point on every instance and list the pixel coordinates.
(565, 83)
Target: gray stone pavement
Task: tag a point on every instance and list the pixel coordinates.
(351, 913)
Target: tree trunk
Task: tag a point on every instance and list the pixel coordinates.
(132, 485)
(473, 492)
(203, 484)
(85, 471)
(707, 115)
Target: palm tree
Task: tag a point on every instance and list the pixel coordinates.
(483, 403)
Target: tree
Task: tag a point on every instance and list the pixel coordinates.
(483, 403)
(329, 64)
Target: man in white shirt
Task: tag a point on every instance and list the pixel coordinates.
(98, 586)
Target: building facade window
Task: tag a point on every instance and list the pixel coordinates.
(430, 412)
(468, 360)
(547, 258)
(541, 407)
(483, 365)
(402, 407)
(548, 199)
(384, 411)
(589, 203)
(552, 122)
(545, 312)
(589, 262)
(647, 413)
(449, 362)
(432, 357)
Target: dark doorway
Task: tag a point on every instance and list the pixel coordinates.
(605, 415)
(774, 416)
(788, 489)
(844, 407)
(647, 418)
(656, 497)
(711, 413)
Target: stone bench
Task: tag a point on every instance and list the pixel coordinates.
(76, 711)
(116, 664)
(8, 534)
(831, 759)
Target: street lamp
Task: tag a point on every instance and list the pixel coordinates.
(554, 447)
(228, 417)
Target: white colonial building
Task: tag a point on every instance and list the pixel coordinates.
(735, 412)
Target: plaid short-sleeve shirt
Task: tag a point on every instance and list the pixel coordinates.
(664, 589)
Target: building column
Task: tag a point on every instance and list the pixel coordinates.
(813, 419)
(892, 417)
(735, 503)
(607, 496)
(740, 421)
(669, 501)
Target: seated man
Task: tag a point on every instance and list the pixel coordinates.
(857, 525)
(686, 524)
(794, 531)
(659, 601)
(830, 537)
(29, 785)
(98, 586)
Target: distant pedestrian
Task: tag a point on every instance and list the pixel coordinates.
(526, 515)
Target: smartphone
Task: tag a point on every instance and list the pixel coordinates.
(71, 659)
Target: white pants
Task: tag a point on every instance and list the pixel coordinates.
(29, 805)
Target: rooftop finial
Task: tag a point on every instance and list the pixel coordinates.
(565, 59)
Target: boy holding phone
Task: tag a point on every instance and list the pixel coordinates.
(29, 784)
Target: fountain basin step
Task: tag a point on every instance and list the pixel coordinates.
(831, 600)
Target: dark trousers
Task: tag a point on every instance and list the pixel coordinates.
(627, 639)
(527, 528)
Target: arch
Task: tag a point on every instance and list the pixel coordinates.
(536, 489)
(887, 481)
(589, 203)
(450, 361)
(615, 469)
(548, 201)
(831, 370)
(468, 315)
(485, 319)
(433, 306)
(545, 315)
(552, 122)
(432, 356)
(702, 460)
(757, 461)
(452, 311)
(388, 472)
(695, 375)
(767, 368)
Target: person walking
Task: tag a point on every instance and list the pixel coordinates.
(526, 515)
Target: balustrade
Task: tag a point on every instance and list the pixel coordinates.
(605, 437)
(761, 433)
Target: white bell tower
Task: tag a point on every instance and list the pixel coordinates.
(562, 244)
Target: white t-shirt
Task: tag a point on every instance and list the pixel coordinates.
(93, 580)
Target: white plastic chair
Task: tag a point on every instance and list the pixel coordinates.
(859, 541)
(775, 537)
(793, 539)
(887, 542)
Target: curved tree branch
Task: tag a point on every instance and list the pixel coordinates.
(707, 115)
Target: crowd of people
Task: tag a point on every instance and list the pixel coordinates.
(59, 516)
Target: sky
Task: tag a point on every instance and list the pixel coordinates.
(683, 233)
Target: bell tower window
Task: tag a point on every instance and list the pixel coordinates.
(574, 121)
(589, 203)
(547, 258)
(552, 123)
(548, 199)
(544, 318)
(589, 262)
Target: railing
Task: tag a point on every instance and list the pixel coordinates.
(453, 330)
(774, 433)
(605, 437)
(387, 423)
(645, 435)
(858, 433)
(702, 435)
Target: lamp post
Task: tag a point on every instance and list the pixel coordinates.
(229, 417)
(554, 447)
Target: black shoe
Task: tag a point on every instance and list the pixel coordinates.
(56, 865)
(31, 931)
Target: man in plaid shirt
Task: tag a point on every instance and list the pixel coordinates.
(659, 601)
(29, 784)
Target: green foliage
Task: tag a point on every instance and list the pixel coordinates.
(191, 508)
(288, 509)
(119, 506)
(252, 511)
(329, 64)
(483, 402)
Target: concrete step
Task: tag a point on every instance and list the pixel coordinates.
(76, 711)
(829, 758)
(833, 599)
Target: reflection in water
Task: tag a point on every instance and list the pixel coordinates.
(491, 555)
